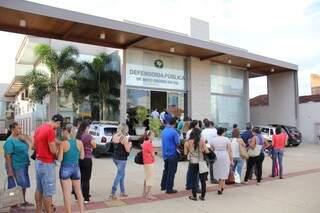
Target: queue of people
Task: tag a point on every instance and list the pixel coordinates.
(73, 149)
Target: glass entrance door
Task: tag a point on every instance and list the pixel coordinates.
(158, 100)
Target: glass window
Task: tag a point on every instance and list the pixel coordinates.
(227, 110)
(227, 80)
(109, 131)
(176, 103)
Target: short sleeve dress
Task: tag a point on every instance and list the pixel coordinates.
(221, 166)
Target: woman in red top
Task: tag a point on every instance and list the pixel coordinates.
(279, 141)
(148, 161)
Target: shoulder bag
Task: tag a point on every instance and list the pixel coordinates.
(243, 152)
(10, 197)
(254, 152)
(203, 167)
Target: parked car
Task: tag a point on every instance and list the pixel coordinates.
(102, 134)
(294, 135)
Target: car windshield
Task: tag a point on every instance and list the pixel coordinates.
(292, 129)
(109, 131)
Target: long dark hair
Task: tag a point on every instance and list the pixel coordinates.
(195, 135)
(82, 129)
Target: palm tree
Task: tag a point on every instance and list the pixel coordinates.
(99, 83)
(59, 65)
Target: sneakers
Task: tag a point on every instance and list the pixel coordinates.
(193, 198)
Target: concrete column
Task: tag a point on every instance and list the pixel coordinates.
(123, 93)
(199, 88)
(282, 98)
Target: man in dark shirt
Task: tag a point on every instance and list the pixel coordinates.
(247, 135)
(170, 141)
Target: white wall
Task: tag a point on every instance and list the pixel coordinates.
(308, 116)
(199, 89)
(282, 102)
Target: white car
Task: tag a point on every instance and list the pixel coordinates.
(102, 134)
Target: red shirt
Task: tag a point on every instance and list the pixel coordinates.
(147, 151)
(279, 141)
(44, 135)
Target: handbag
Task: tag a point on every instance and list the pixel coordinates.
(243, 152)
(10, 197)
(138, 159)
(255, 151)
(203, 167)
(231, 179)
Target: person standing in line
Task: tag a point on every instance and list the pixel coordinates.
(208, 134)
(193, 125)
(122, 147)
(155, 113)
(247, 135)
(162, 115)
(236, 142)
(46, 148)
(86, 163)
(170, 141)
(70, 151)
(186, 127)
(75, 127)
(259, 143)
(148, 163)
(195, 148)
(221, 167)
(16, 153)
(279, 141)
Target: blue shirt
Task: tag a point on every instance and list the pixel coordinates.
(18, 151)
(170, 140)
(167, 118)
(246, 136)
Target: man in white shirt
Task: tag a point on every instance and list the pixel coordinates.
(208, 134)
(155, 113)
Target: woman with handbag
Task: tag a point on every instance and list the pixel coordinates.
(16, 152)
(237, 146)
(221, 167)
(195, 149)
(148, 164)
(257, 144)
(121, 148)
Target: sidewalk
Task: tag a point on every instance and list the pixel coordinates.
(302, 191)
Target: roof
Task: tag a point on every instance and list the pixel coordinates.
(262, 100)
(309, 98)
(50, 22)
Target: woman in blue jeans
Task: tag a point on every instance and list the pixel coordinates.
(236, 142)
(279, 141)
(121, 147)
(70, 151)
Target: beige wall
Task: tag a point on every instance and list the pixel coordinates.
(282, 106)
(309, 116)
(199, 88)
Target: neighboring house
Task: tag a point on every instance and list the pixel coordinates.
(31, 115)
(309, 116)
(6, 110)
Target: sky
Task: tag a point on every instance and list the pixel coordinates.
(288, 30)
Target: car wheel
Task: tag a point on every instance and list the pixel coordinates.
(96, 154)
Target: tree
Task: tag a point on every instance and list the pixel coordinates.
(40, 83)
(97, 81)
(59, 65)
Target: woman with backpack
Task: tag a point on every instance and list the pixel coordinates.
(148, 163)
(195, 149)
